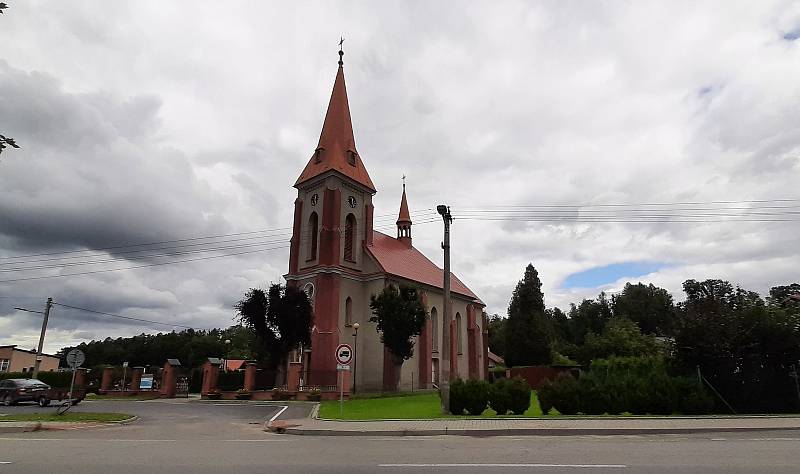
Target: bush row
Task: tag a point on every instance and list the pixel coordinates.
(53, 379)
(504, 395)
(637, 385)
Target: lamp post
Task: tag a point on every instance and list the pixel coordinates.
(355, 353)
(227, 350)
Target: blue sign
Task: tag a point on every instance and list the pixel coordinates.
(146, 382)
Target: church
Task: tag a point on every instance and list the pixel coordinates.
(339, 260)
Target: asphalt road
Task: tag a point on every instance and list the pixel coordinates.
(179, 437)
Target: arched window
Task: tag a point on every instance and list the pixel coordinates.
(434, 329)
(349, 237)
(348, 311)
(458, 332)
(313, 234)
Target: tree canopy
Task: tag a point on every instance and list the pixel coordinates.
(281, 319)
(400, 315)
(649, 306)
(527, 333)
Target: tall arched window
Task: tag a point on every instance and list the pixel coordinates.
(348, 311)
(458, 332)
(313, 234)
(349, 237)
(434, 329)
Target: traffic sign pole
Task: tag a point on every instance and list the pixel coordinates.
(344, 355)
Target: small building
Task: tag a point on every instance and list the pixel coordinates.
(495, 360)
(20, 360)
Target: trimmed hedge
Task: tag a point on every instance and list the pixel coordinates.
(638, 385)
(53, 379)
(476, 396)
(457, 397)
(499, 397)
(473, 396)
(519, 393)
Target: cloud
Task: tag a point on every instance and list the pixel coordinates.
(144, 122)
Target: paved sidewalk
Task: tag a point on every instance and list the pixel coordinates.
(548, 427)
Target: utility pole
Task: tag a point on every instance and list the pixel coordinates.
(444, 384)
(46, 314)
(36, 365)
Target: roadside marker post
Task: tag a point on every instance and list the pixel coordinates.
(344, 355)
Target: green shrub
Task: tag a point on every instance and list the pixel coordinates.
(476, 396)
(695, 399)
(53, 379)
(315, 395)
(519, 393)
(457, 397)
(499, 396)
(546, 394)
(561, 394)
(280, 394)
(639, 385)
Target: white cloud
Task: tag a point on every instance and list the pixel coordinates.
(144, 121)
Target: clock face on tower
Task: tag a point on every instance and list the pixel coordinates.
(352, 202)
(314, 199)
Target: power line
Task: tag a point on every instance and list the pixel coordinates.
(139, 266)
(151, 264)
(188, 239)
(122, 317)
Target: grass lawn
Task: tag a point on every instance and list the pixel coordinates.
(69, 416)
(420, 406)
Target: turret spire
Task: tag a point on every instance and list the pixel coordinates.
(404, 219)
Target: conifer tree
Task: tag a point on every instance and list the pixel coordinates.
(527, 333)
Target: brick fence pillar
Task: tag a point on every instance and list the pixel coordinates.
(250, 376)
(210, 375)
(136, 377)
(169, 378)
(80, 378)
(293, 376)
(107, 380)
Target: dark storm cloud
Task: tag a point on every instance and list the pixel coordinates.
(92, 173)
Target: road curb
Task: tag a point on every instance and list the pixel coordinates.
(11, 427)
(528, 431)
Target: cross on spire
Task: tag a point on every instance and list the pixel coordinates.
(341, 53)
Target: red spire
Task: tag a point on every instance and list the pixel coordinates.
(404, 220)
(405, 216)
(336, 150)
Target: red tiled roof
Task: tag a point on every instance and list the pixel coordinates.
(337, 146)
(397, 259)
(234, 364)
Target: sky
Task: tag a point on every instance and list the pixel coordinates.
(154, 121)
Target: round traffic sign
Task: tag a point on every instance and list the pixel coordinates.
(75, 358)
(344, 354)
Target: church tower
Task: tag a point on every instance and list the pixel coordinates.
(333, 220)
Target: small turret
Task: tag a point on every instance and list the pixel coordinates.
(404, 219)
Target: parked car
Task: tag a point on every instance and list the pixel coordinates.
(13, 391)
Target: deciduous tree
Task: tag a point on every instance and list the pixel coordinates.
(400, 315)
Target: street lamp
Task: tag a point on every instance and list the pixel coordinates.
(227, 350)
(355, 353)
